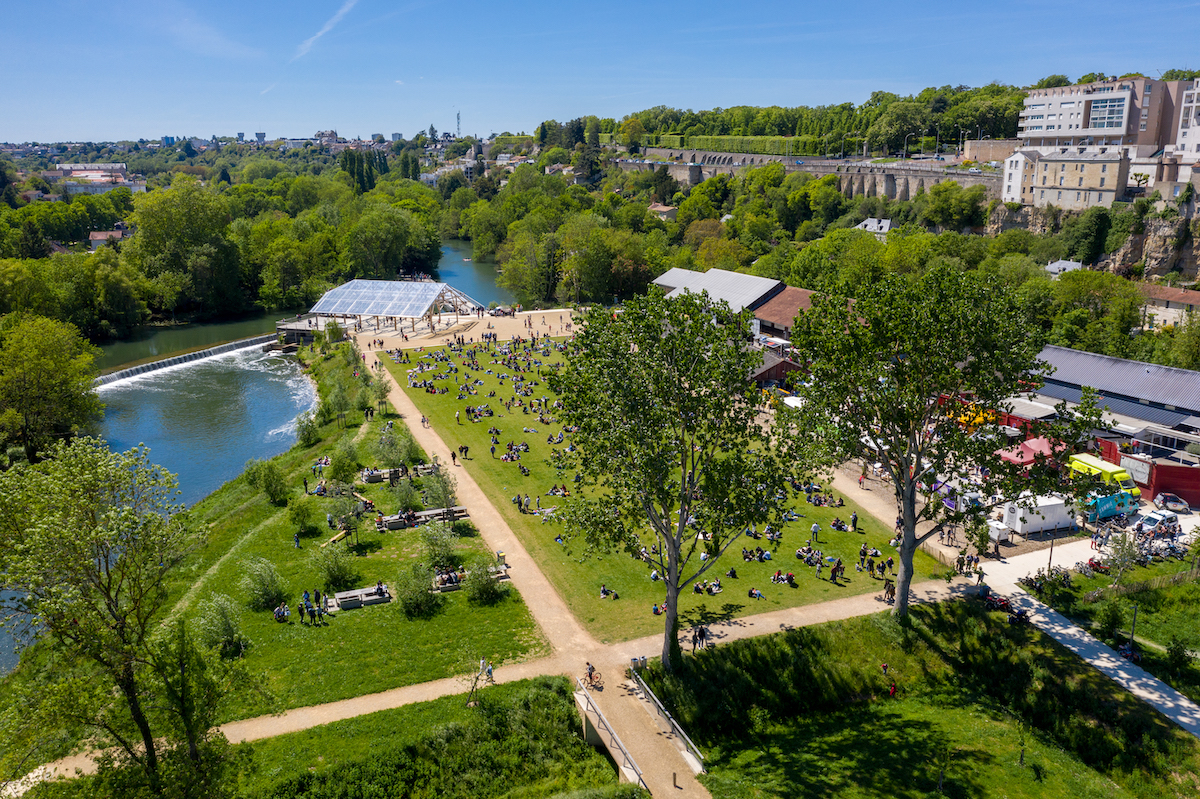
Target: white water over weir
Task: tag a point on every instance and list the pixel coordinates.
(178, 359)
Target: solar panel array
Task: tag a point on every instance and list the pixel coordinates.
(379, 298)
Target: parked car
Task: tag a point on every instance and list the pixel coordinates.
(1171, 502)
(975, 171)
(1151, 522)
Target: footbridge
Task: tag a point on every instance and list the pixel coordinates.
(900, 180)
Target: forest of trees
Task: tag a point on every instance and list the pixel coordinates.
(221, 235)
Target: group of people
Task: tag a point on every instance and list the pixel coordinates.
(757, 554)
(310, 606)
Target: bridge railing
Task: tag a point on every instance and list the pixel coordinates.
(614, 741)
(666, 715)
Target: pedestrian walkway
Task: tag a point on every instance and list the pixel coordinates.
(1002, 576)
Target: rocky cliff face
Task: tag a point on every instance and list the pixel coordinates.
(1167, 245)
(1035, 220)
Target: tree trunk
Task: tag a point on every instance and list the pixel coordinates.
(128, 687)
(908, 545)
(671, 654)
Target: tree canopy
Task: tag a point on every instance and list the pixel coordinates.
(669, 437)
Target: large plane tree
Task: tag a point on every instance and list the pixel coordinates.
(670, 443)
(909, 374)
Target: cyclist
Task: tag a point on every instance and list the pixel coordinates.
(591, 673)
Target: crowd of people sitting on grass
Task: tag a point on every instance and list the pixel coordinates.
(711, 588)
(757, 554)
(444, 577)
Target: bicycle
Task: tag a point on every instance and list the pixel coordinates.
(595, 682)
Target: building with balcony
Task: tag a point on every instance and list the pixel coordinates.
(1139, 116)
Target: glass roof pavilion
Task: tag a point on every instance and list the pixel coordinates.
(398, 298)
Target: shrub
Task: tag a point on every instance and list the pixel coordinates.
(481, 587)
(439, 490)
(302, 515)
(1178, 657)
(267, 476)
(217, 626)
(412, 592)
(307, 431)
(334, 567)
(395, 447)
(343, 463)
(324, 413)
(1110, 618)
(439, 545)
(264, 587)
(406, 495)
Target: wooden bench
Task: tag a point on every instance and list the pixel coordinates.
(497, 573)
(424, 469)
(373, 477)
(359, 597)
(454, 514)
(341, 534)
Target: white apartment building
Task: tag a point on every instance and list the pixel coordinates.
(1185, 146)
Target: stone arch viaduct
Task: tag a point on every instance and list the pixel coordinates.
(896, 181)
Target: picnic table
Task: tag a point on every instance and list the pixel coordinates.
(359, 597)
(397, 520)
(495, 572)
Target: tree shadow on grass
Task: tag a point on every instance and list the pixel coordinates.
(871, 747)
(702, 615)
(366, 547)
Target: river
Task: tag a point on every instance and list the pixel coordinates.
(204, 419)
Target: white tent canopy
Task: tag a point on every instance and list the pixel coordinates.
(397, 298)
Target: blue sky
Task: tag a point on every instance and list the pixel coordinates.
(139, 68)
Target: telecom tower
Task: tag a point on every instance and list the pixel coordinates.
(458, 124)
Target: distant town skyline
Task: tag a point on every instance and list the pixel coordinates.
(145, 69)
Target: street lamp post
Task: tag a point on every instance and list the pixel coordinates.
(906, 138)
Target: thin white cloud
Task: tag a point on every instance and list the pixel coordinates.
(272, 86)
(203, 39)
(308, 43)
(399, 83)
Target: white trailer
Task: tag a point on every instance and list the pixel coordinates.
(1031, 515)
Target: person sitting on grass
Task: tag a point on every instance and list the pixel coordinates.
(656, 610)
(756, 594)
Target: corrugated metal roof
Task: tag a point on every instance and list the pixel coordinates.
(1117, 377)
(675, 278)
(740, 291)
(1137, 410)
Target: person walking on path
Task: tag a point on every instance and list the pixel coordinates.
(862, 477)
(453, 458)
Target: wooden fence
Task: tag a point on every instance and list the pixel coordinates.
(1161, 581)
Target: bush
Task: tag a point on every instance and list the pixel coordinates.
(343, 464)
(307, 430)
(481, 587)
(267, 476)
(439, 490)
(264, 588)
(1110, 619)
(1178, 657)
(302, 515)
(412, 592)
(406, 496)
(334, 567)
(395, 447)
(217, 626)
(439, 545)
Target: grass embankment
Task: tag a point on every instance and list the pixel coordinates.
(358, 651)
(354, 652)
(577, 575)
(808, 713)
(521, 740)
(1163, 614)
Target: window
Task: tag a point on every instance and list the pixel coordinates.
(1108, 113)
(1043, 180)
(1142, 126)
(1102, 181)
(1078, 196)
(1043, 194)
(1145, 113)
(1061, 181)
(1081, 181)
(1060, 195)
(1177, 188)
(1104, 167)
(1045, 167)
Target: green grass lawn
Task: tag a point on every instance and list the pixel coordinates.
(897, 750)
(808, 713)
(358, 651)
(538, 710)
(1162, 614)
(578, 574)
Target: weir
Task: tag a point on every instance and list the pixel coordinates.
(185, 358)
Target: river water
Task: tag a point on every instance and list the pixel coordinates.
(204, 419)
